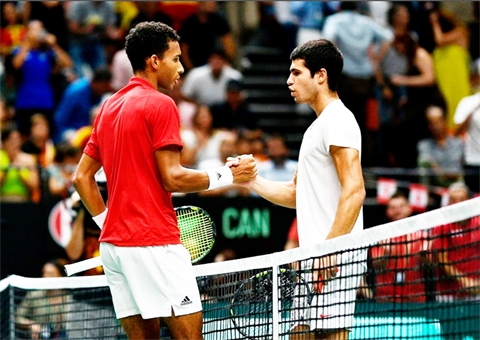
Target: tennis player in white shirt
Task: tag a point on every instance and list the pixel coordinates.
(327, 190)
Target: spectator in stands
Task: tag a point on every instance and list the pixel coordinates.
(398, 263)
(207, 84)
(451, 60)
(203, 33)
(244, 146)
(42, 314)
(474, 30)
(91, 24)
(289, 22)
(233, 113)
(256, 141)
(397, 57)
(73, 111)
(467, 120)
(81, 136)
(60, 173)
(355, 35)
(12, 31)
(455, 249)
(310, 15)
(266, 33)
(278, 166)
(53, 16)
(420, 23)
(19, 177)
(442, 153)
(227, 148)
(202, 141)
(121, 70)
(421, 92)
(378, 10)
(6, 114)
(84, 242)
(186, 108)
(35, 62)
(149, 11)
(40, 143)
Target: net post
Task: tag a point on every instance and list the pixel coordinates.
(275, 316)
(11, 307)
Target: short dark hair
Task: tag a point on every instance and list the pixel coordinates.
(8, 130)
(399, 194)
(318, 54)
(348, 5)
(102, 74)
(148, 38)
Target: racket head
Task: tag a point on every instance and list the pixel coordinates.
(251, 306)
(197, 231)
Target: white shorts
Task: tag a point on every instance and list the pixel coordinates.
(150, 281)
(334, 307)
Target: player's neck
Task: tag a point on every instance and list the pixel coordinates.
(148, 76)
(323, 101)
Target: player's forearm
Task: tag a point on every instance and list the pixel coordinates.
(186, 181)
(89, 192)
(347, 213)
(280, 193)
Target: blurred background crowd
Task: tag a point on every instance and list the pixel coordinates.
(411, 78)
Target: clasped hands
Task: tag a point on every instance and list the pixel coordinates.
(244, 168)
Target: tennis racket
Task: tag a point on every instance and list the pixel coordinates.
(251, 306)
(197, 234)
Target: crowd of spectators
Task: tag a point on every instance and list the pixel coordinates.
(395, 70)
(435, 265)
(412, 66)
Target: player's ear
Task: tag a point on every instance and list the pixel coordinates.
(321, 75)
(153, 60)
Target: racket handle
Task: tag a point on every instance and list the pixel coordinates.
(82, 266)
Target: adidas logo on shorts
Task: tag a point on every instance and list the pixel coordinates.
(186, 301)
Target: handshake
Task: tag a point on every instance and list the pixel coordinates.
(240, 169)
(244, 168)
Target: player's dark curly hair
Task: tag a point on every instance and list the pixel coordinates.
(318, 54)
(146, 39)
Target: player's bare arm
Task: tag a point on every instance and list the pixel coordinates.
(86, 186)
(176, 178)
(349, 170)
(347, 164)
(280, 193)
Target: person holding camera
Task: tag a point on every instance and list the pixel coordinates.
(35, 62)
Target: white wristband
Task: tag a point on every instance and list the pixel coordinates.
(219, 177)
(100, 218)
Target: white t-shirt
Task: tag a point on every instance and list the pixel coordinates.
(472, 139)
(318, 186)
(201, 86)
(211, 150)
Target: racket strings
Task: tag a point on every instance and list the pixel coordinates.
(196, 231)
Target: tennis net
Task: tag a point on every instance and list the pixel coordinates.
(417, 278)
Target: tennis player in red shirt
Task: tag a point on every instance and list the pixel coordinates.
(136, 138)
